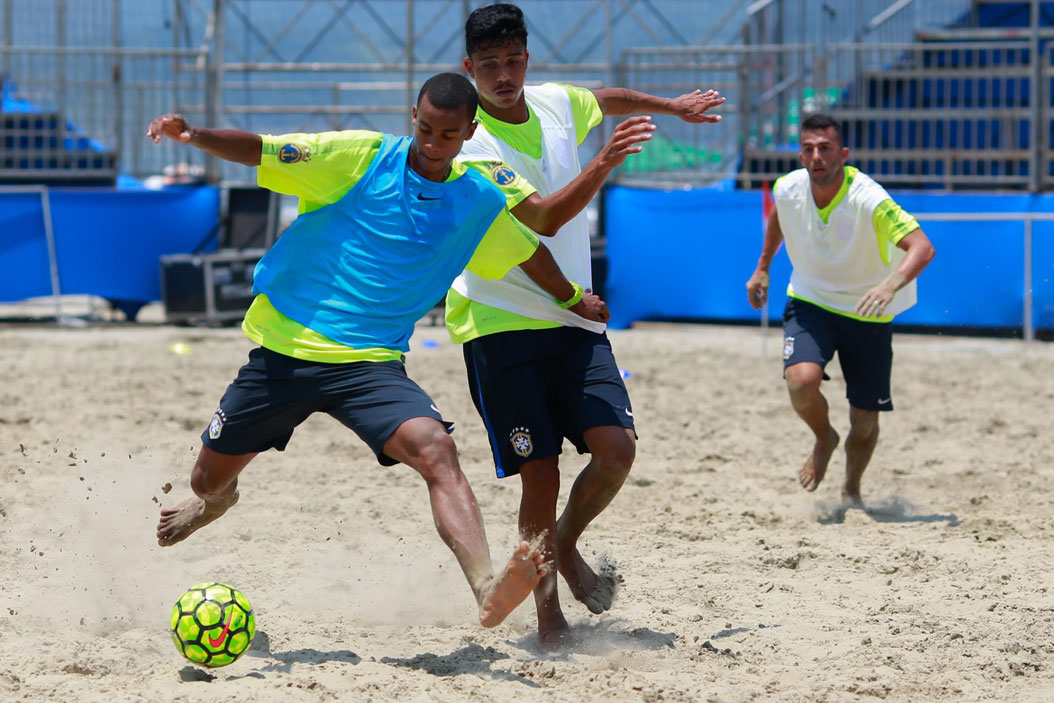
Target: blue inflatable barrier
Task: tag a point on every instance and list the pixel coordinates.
(687, 254)
(107, 242)
(24, 258)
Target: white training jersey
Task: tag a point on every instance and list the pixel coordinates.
(557, 166)
(836, 262)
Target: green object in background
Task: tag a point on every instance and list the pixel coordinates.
(665, 154)
(808, 100)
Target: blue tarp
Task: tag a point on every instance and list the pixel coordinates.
(688, 254)
(107, 242)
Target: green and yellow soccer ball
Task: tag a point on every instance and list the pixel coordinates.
(212, 624)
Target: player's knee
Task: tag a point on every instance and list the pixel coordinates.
(542, 476)
(864, 423)
(436, 456)
(617, 457)
(803, 377)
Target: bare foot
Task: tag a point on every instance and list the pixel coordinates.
(504, 592)
(189, 516)
(816, 465)
(556, 638)
(596, 591)
(851, 492)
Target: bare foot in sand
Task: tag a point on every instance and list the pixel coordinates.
(851, 490)
(816, 465)
(556, 638)
(504, 592)
(189, 516)
(596, 591)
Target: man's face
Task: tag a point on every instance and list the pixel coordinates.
(438, 136)
(822, 154)
(499, 72)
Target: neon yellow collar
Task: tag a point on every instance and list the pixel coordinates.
(848, 173)
(525, 138)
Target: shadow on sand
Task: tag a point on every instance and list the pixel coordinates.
(893, 509)
(472, 659)
(596, 639)
(261, 647)
(599, 638)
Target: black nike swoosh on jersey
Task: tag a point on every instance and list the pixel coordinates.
(421, 196)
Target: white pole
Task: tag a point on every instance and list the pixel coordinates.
(53, 260)
(1029, 333)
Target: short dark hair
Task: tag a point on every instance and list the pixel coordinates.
(450, 91)
(820, 121)
(494, 25)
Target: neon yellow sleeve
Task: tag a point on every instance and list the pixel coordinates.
(515, 187)
(892, 222)
(506, 244)
(585, 108)
(317, 168)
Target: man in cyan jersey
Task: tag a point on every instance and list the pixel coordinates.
(856, 255)
(385, 224)
(537, 373)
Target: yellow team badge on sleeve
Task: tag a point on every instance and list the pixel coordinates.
(292, 153)
(502, 174)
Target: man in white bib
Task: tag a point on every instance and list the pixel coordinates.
(537, 375)
(855, 255)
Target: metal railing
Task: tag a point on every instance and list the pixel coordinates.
(1027, 220)
(90, 104)
(75, 63)
(948, 114)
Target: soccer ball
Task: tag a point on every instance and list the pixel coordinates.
(212, 624)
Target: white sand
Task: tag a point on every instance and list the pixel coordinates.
(738, 585)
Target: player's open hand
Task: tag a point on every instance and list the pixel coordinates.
(591, 307)
(874, 302)
(758, 289)
(628, 138)
(172, 126)
(692, 107)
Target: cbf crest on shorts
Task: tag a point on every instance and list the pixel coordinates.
(503, 175)
(521, 441)
(292, 153)
(788, 347)
(216, 426)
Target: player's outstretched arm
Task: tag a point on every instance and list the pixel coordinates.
(233, 145)
(758, 285)
(547, 215)
(690, 107)
(920, 253)
(543, 270)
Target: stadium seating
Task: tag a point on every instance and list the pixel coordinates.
(39, 147)
(905, 108)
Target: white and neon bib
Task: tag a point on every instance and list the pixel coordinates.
(838, 253)
(548, 166)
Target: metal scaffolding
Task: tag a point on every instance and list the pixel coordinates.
(95, 71)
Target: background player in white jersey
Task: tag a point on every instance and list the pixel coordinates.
(856, 255)
(536, 373)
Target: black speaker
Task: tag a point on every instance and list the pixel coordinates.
(252, 218)
(213, 287)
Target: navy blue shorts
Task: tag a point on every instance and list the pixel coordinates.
(274, 393)
(865, 350)
(533, 388)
